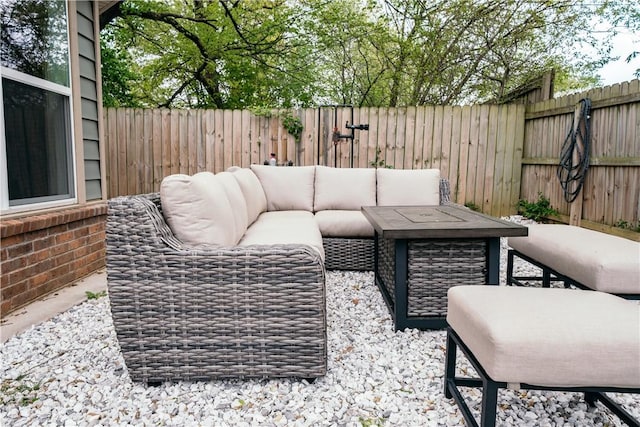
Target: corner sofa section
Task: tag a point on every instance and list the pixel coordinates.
(223, 276)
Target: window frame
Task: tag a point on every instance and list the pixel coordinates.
(27, 79)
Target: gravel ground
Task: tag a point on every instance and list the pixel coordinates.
(69, 371)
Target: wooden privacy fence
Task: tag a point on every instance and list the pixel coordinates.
(611, 191)
(493, 155)
(477, 147)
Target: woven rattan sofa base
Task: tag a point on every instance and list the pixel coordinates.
(216, 312)
(349, 253)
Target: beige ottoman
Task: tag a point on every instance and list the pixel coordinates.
(548, 339)
(578, 256)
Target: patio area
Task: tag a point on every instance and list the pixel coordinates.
(69, 371)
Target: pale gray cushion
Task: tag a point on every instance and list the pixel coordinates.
(598, 260)
(344, 188)
(252, 190)
(337, 223)
(287, 188)
(549, 337)
(197, 209)
(237, 201)
(284, 227)
(407, 187)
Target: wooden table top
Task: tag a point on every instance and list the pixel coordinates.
(444, 221)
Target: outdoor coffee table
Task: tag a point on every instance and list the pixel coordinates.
(422, 251)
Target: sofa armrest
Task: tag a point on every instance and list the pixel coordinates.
(184, 313)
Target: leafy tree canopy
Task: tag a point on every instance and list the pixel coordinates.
(296, 53)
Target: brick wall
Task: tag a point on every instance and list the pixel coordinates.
(43, 253)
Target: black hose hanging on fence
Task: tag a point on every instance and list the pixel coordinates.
(574, 156)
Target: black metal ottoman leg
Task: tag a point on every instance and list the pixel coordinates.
(489, 403)
(450, 364)
(510, 267)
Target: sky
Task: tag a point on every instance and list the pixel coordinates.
(620, 71)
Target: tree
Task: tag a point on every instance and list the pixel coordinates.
(284, 53)
(220, 54)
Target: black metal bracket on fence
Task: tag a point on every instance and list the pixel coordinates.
(336, 136)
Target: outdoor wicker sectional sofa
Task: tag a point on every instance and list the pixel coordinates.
(223, 276)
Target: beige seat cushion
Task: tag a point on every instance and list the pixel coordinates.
(287, 188)
(600, 261)
(252, 190)
(549, 337)
(197, 209)
(336, 223)
(237, 201)
(344, 188)
(285, 227)
(405, 187)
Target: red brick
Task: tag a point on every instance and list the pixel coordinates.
(11, 265)
(20, 275)
(64, 258)
(64, 237)
(11, 291)
(38, 280)
(60, 249)
(39, 256)
(12, 240)
(11, 227)
(19, 250)
(46, 242)
(5, 308)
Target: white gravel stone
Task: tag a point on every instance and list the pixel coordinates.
(69, 371)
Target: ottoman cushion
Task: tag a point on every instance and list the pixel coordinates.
(598, 260)
(549, 337)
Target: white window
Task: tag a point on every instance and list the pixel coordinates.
(36, 157)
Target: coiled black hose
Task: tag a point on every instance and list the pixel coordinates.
(574, 156)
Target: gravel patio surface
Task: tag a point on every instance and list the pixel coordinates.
(69, 371)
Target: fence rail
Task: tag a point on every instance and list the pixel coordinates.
(493, 155)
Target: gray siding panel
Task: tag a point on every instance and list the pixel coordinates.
(88, 89)
(92, 170)
(93, 189)
(89, 97)
(85, 9)
(89, 109)
(87, 68)
(85, 27)
(90, 129)
(85, 47)
(91, 150)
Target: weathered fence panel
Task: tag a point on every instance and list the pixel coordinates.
(611, 191)
(470, 145)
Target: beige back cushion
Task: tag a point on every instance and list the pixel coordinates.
(237, 201)
(400, 187)
(197, 209)
(344, 189)
(287, 188)
(252, 190)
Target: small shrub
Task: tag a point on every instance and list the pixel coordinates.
(536, 211)
(378, 161)
(293, 125)
(472, 206)
(627, 225)
(95, 295)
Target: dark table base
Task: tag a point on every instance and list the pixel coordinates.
(414, 275)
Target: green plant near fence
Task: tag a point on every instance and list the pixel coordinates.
(537, 211)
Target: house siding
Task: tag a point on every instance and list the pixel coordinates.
(89, 99)
(46, 250)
